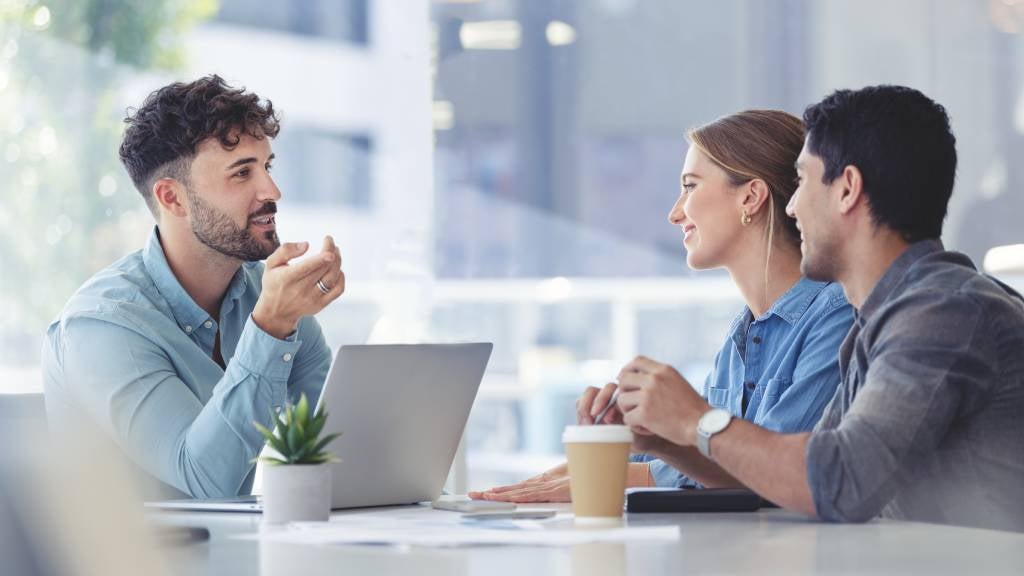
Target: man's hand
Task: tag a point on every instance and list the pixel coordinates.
(549, 486)
(592, 401)
(655, 399)
(290, 291)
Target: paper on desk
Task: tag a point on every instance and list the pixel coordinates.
(448, 534)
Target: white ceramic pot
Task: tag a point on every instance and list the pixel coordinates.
(296, 493)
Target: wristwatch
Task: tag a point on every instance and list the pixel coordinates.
(712, 422)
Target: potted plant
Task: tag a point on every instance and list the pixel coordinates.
(297, 479)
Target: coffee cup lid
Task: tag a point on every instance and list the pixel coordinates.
(597, 433)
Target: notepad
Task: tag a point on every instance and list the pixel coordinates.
(645, 500)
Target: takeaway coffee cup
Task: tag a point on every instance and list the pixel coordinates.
(598, 463)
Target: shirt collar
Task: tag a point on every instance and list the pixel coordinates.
(186, 312)
(791, 306)
(896, 273)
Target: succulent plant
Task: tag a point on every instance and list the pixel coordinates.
(297, 436)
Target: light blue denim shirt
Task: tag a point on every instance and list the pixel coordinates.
(780, 370)
(133, 353)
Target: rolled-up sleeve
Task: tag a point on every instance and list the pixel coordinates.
(926, 352)
(129, 385)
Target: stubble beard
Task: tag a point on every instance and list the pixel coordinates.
(218, 232)
(821, 262)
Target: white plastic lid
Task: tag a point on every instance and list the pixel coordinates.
(597, 433)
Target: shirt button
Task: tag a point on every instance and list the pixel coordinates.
(188, 329)
(208, 324)
(756, 339)
(287, 357)
(750, 385)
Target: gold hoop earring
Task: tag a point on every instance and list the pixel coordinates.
(745, 219)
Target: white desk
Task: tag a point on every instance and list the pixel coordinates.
(767, 542)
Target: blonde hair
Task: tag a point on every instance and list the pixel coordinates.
(758, 145)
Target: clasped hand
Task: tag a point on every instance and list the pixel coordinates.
(291, 291)
(655, 401)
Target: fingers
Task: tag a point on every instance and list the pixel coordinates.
(547, 476)
(318, 265)
(583, 405)
(640, 364)
(602, 399)
(549, 486)
(286, 252)
(329, 247)
(628, 400)
(510, 487)
(614, 415)
(337, 286)
(555, 491)
(334, 277)
(631, 381)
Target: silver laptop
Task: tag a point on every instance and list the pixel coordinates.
(401, 409)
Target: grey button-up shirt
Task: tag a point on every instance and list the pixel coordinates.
(928, 422)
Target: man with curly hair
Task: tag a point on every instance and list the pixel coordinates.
(176, 349)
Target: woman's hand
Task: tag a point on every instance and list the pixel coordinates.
(549, 486)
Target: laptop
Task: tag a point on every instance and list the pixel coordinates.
(401, 409)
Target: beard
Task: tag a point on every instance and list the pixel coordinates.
(217, 231)
(820, 262)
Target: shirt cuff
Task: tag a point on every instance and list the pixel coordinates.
(821, 450)
(666, 476)
(262, 354)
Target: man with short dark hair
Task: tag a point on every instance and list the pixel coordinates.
(927, 423)
(177, 349)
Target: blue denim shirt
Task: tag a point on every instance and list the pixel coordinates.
(133, 353)
(780, 370)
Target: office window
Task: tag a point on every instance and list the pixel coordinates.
(324, 169)
(560, 137)
(343, 20)
(497, 170)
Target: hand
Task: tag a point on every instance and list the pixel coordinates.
(592, 401)
(290, 291)
(549, 486)
(334, 279)
(656, 399)
(646, 443)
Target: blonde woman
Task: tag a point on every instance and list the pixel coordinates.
(778, 366)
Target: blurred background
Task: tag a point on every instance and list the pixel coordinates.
(493, 170)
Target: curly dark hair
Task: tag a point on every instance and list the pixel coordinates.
(162, 135)
(901, 142)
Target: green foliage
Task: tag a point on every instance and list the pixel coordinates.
(68, 71)
(297, 437)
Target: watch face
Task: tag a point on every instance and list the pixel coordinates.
(715, 421)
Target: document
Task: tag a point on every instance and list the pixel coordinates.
(367, 529)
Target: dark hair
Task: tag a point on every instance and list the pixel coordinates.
(161, 138)
(762, 144)
(901, 142)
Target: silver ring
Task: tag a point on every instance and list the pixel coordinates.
(323, 287)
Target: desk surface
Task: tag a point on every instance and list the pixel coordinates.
(766, 542)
